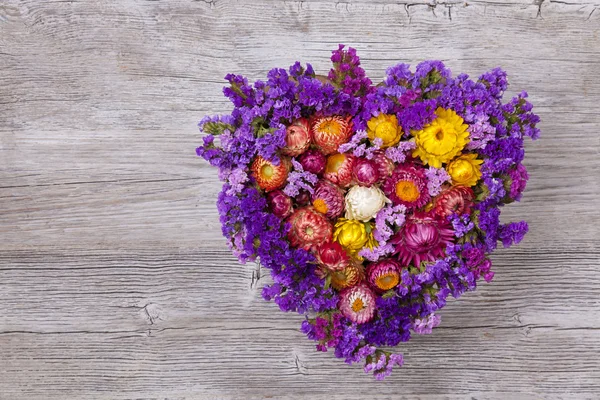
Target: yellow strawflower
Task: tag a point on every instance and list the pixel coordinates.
(441, 140)
(352, 235)
(465, 170)
(385, 127)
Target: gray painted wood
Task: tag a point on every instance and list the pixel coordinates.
(114, 280)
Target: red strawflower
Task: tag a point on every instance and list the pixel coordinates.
(455, 200)
(330, 132)
(339, 169)
(308, 228)
(332, 256)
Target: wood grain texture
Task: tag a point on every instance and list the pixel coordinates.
(114, 280)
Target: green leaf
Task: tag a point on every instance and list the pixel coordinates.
(217, 128)
(327, 282)
(485, 192)
(236, 88)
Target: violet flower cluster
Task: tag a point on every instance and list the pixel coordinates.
(370, 204)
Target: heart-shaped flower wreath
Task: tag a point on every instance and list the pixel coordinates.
(370, 204)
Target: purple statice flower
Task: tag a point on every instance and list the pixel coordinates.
(431, 77)
(268, 145)
(513, 233)
(481, 131)
(382, 363)
(521, 121)
(377, 363)
(489, 225)
(326, 331)
(361, 353)
(377, 252)
(395, 360)
(461, 224)
(518, 181)
(424, 326)
(503, 153)
(299, 179)
(495, 81)
(360, 145)
(239, 91)
(394, 322)
(398, 75)
(417, 115)
(237, 180)
(347, 73)
(386, 220)
(348, 343)
(436, 177)
(270, 291)
(387, 371)
(476, 261)
(297, 71)
(494, 186)
(398, 153)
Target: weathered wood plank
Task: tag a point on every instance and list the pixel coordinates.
(133, 318)
(114, 279)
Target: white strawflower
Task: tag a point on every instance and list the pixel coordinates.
(363, 203)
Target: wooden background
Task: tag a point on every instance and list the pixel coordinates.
(115, 282)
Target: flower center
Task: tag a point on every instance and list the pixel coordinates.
(439, 135)
(331, 127)
(407, 191)
(386, 131)
(309, 231)
(320, 206)
(387, 281)
(334, 162)
(358, 304)
(440, 138)
(463, 170)
(266, 171)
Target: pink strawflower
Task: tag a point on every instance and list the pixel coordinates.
(407, 186)
(422, 238)
(357, 303)
(328, 199)
(365, 172)
(297, 138)
(329, 133)
(385, 166)
(384, 274)
(279, 203)
(313, 161)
